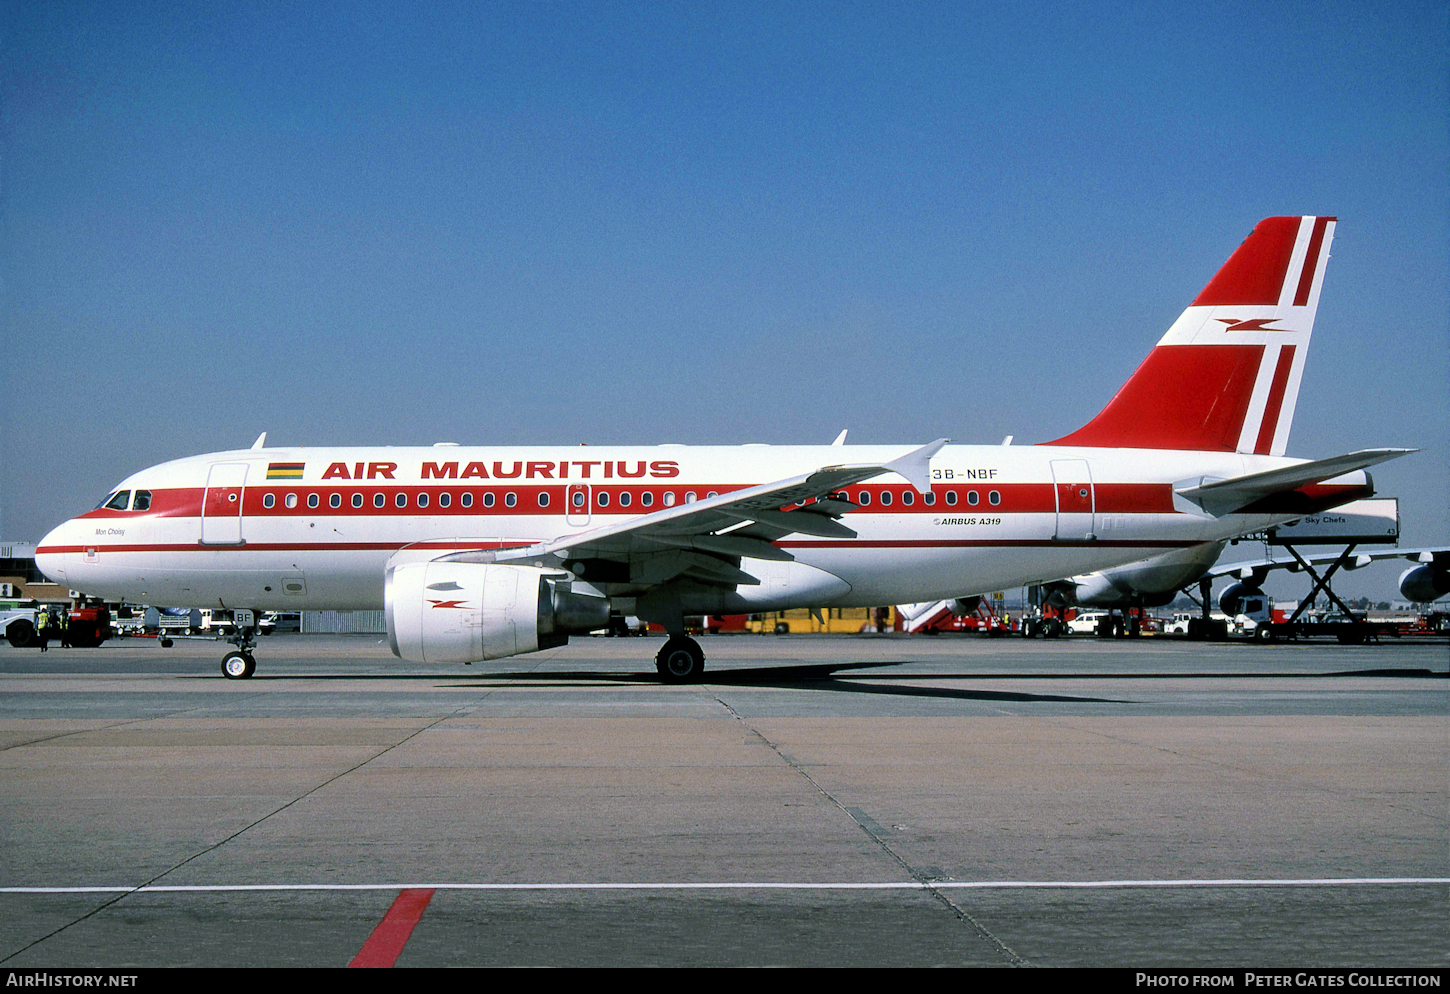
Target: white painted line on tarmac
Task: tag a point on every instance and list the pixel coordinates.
(751, 885)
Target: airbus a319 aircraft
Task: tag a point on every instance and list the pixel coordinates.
(478, 553)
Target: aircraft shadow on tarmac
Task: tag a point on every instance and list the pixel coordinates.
(820, 676)
(838, 678)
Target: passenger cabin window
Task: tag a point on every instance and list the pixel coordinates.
(669, 498)
(972, 497)
(603, 499)
(119, 502)
(312, 500)
(142, 501)
(334, 500)
(908, 497)
(466, 500)
(624, 499)
(928, 498)
(690, 497)
(647, 499)
(357, 500)
(401, 500)
(886, 497)
(290, 500)
(863, 498)
(543, 499)
(269, 500)
(510, 499)
(488, 499)
(379, 500)
(951, 496)
(994, 497)
(445, 499)
(423, 500)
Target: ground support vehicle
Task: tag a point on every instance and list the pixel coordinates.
(37, 625)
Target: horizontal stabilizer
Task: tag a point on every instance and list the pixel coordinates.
(1227, 496)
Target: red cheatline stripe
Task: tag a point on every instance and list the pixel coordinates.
(386, 943)
(1269, 426)
(1311, 262)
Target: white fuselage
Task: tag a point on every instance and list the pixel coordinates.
(299, 528)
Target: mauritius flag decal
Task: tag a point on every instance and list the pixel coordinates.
(285, 470)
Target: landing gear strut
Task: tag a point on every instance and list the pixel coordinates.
(239, 664)
(681, 660)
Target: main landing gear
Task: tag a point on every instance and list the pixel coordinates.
(681, 660)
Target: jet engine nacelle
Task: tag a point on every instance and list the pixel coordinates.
(963, 606)
(1232, 601)
(447, 612)
(1423, 584)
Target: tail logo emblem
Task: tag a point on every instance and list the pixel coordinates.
(453, 604)
(1252, 324)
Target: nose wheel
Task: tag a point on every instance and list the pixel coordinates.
(681, 660)
(238, 665)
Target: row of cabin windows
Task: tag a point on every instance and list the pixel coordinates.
(122, 500)
(908, 497)
(334, 500)
(422, 500)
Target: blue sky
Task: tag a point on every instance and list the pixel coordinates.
(554, 223)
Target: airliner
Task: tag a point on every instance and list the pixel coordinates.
(477, 553)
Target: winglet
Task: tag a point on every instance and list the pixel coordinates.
(261, 441)
(915, 466)
(841, 438)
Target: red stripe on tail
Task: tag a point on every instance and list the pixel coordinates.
(1311, 261)
(1269, 426)
(1255, 273)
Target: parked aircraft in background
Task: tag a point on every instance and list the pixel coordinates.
(1150, 583)
(479, 553)
(1423, 583)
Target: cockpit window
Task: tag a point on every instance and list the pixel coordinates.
(119, 501)
(142, 501)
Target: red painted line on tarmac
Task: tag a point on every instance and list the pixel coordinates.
(386, 943)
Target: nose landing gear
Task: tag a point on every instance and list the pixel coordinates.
(238, 665)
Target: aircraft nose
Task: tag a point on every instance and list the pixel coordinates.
(50, 553)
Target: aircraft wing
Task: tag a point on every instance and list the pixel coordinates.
(1257, 569)
(706, 539)
(1219, 497)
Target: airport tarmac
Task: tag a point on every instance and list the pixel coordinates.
(819, 800)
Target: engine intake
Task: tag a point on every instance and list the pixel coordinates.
(1423, 584)
(448, 612)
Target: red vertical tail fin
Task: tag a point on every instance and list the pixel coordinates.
(1226, 375)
